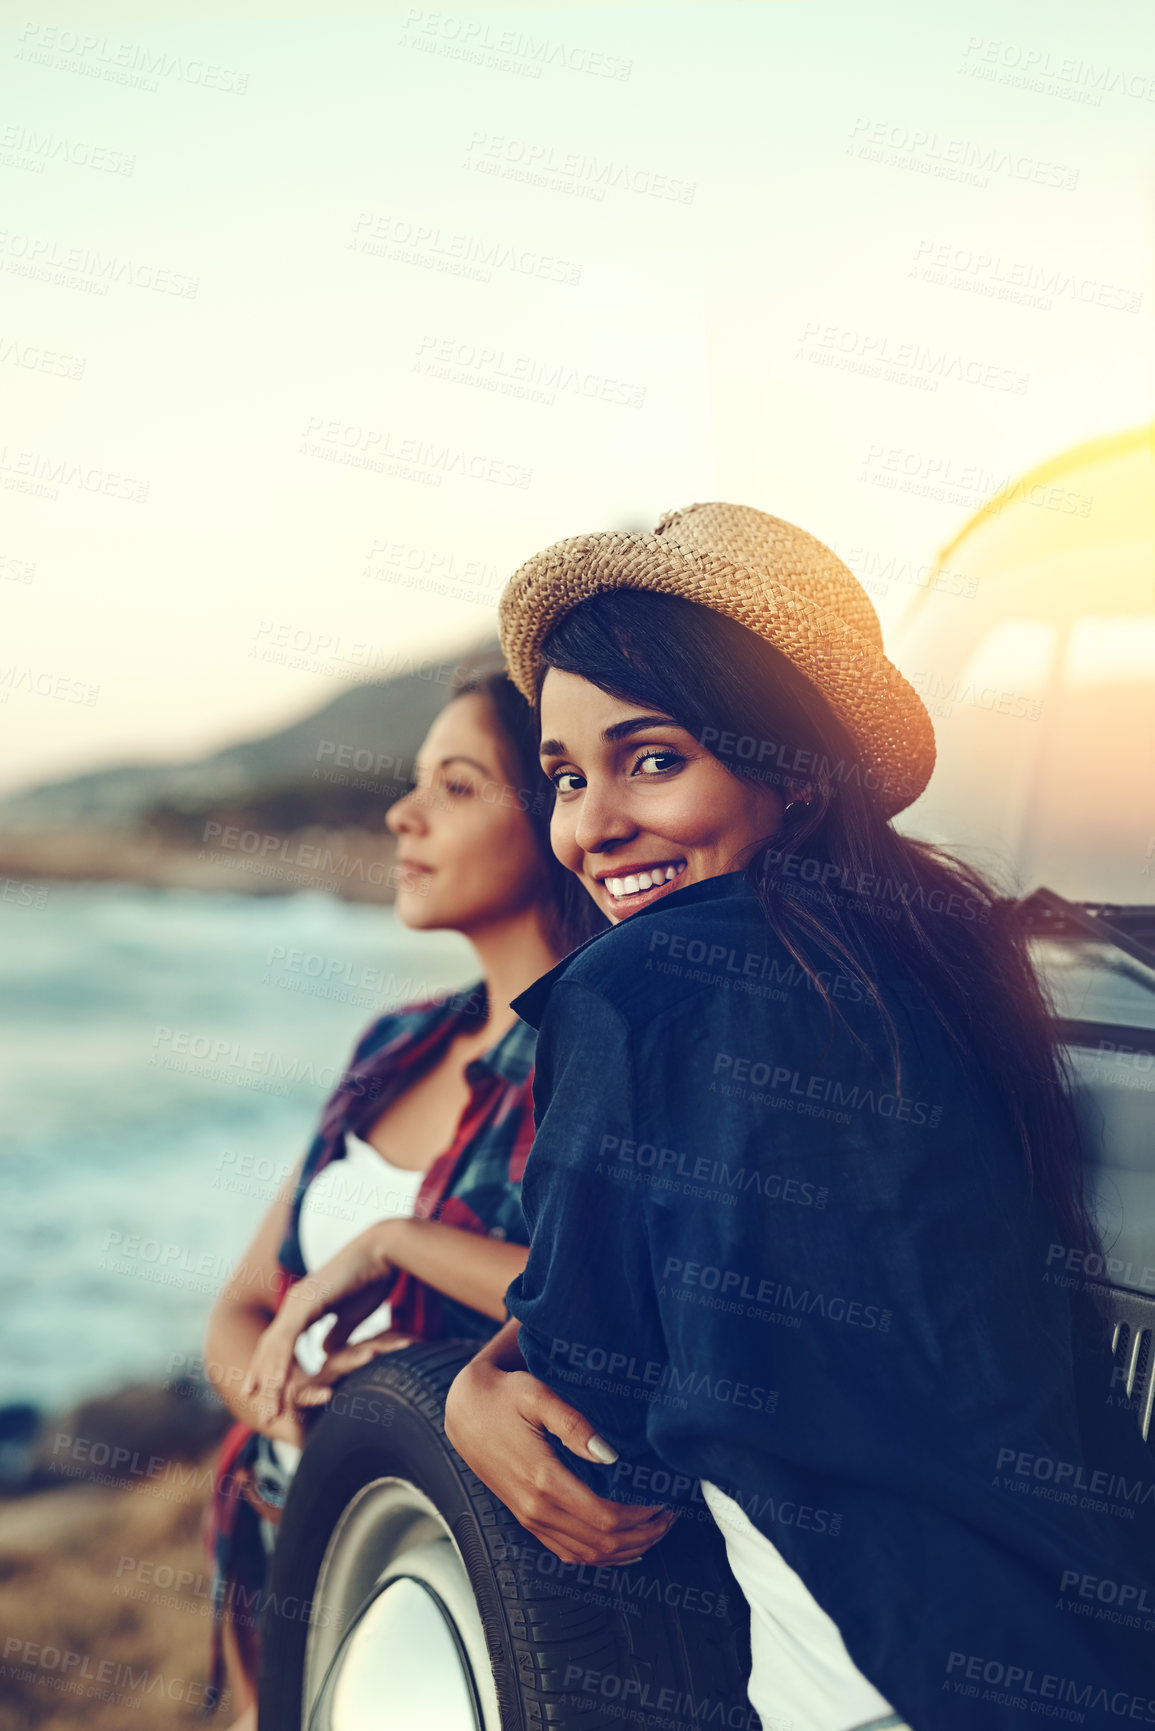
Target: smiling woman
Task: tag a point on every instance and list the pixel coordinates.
(836, 1385)
(662, 809)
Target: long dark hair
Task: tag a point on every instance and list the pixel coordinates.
(837, 862)
(569, 915)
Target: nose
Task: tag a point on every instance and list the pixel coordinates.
(602, 821)
(405, 815)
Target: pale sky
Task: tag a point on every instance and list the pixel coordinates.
(460, 283)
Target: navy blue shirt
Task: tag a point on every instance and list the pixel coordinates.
(754, 1261)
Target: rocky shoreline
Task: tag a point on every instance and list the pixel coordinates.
(353, 864)
(105, 1584)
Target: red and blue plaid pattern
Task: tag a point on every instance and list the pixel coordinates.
(474, 1185)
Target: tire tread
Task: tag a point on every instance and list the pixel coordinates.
(534, 1628)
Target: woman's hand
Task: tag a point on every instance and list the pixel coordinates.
(306, 1394)
(352, 1283)
(497, 1421)
(317, 1390)
(286, 1428)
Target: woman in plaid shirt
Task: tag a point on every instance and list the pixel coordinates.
(437, 1103)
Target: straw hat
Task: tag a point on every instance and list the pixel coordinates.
(773, 578)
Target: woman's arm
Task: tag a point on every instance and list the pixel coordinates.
(497, 1417)
(586, 1303)
(501, 1349)
(466, 1266)
(241, 1314)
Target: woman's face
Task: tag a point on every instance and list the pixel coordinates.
(639, 801)
(466, 851)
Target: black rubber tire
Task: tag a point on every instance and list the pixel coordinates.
(646, 1657)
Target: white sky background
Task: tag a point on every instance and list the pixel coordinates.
(715, 315)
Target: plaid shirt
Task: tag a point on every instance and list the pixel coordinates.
(474, 1185)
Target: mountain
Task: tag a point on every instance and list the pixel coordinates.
(329, 767)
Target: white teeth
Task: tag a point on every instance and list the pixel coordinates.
(638, 882)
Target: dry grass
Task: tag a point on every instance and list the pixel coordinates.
(94, 1630)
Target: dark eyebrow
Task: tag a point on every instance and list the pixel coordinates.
(611, 735)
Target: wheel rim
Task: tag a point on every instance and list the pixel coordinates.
(395, 1637)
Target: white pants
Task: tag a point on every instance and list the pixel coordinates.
(801, 1677)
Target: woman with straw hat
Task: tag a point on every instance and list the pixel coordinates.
(804, 1150)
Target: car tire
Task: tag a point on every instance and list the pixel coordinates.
(403, 1594)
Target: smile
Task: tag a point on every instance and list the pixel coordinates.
(638, 883)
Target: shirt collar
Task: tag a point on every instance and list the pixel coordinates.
(530, 1004)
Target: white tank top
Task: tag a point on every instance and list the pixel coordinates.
(344, 1198)
(801, 1673)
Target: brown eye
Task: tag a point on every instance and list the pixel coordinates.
(667, 760)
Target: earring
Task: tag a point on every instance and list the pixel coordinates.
(797, 805)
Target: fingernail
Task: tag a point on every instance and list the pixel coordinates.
(601, 1450)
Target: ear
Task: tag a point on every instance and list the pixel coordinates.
(801, 791)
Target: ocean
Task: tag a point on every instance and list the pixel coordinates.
(164, 1056)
